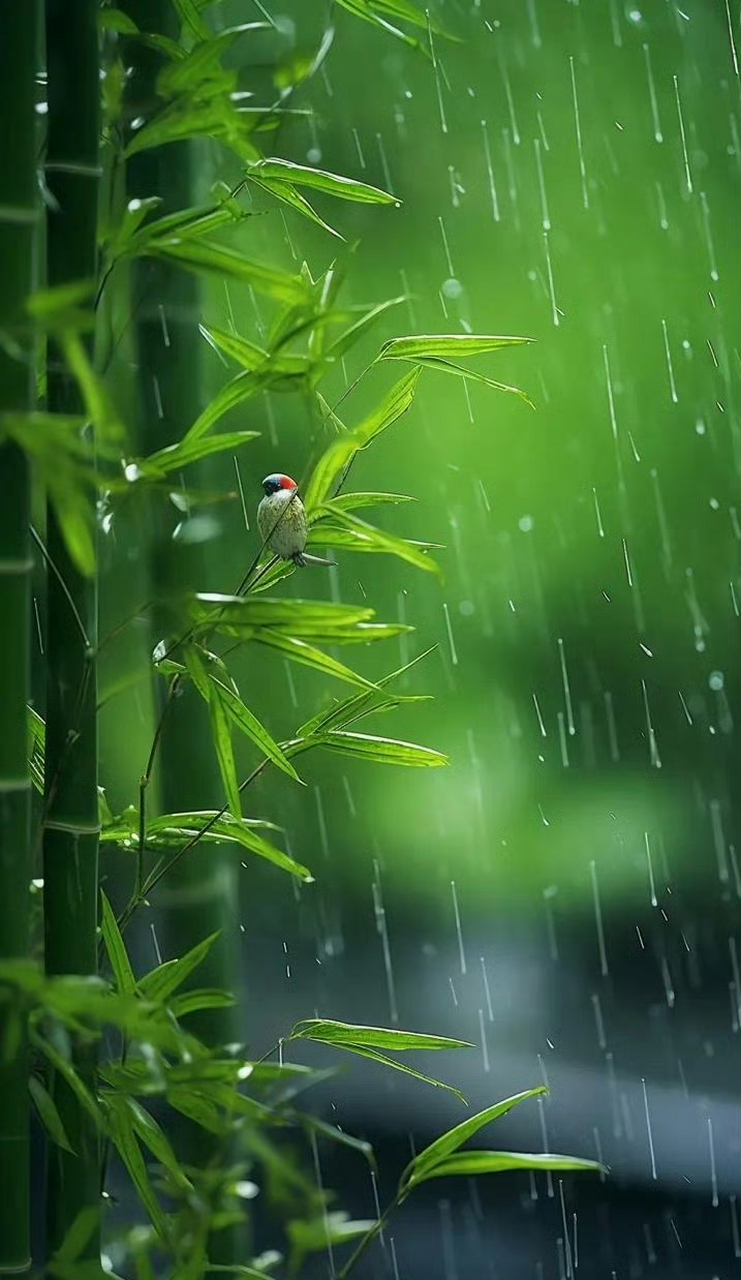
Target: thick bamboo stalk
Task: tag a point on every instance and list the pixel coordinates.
(201, 895)
(71, 799)
(18, 236)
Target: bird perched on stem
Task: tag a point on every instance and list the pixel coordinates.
(282, 521)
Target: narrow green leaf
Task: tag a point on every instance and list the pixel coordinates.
(246, 353)
(473, 1163)
(332, 184)
(365, 746)
(348, 532)
(370, 12)
(116, 20)
(65, 1069)
(151, 1135)
(78, 1235)
(356, 331)
(220, 729)
(215, 259)
(177, 456)
(235, 392)
(332, 467)
(376, 1056)
(48, 1113)
(118, 956)
(160, 983)
(195, 1001)
(288, 195)
(333, 1227)
(299, 617)
(352, 501)
(248, 724)
(333, 1134)
(449, 1142)
(352, 707)
(472, 375)
(444, 346)
(328, 1031)
(124, 1138)
(192, 20)
(309, 656)
(250, 840)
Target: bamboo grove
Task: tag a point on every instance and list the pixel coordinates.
(119, 1069)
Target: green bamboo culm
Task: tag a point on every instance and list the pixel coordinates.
(70, 843)
(200, 896)
(19, 216)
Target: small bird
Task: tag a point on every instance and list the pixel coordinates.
(281, 519)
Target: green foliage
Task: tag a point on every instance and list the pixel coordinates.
(148, 1053)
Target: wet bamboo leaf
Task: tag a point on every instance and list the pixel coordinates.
(208, 258)
(287, 194)
(335, 461)
(305, 617)
(47, 1111)
(60, 1064)
(307, 655)
(190, 17)
(472, 375)
(449, 1142)
(127, 1146)
(332, 184)
(471, 1164)
(352, 707)
(118, 956)
(353, 501)
(444, 346)
(235, 392)
(382, 750)
(248, 724)
(78, 1235)
(352, 534)
(246, 353)
(160, 983)
(221, 733)
(116, 20)
(333, 1134)
(328, 1031)
(371, 11)
(194, 1001)
(151, 1135)
(177, 456)
(356, 331)
(329, 1228)
(383, 1060)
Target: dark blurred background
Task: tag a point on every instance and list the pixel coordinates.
(566, 894)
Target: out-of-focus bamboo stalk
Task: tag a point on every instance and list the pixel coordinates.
(18, 240)
(71, 795)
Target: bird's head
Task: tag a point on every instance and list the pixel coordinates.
(275, 482)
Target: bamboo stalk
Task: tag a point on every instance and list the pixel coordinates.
(201, 894)
(18, 237)
(71, 826)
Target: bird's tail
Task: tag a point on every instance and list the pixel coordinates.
(302, 559)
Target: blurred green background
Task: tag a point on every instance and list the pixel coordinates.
(570, 173)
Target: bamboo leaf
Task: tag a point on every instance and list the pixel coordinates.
(333, 1227)
(382, 750)
(300, 617)
(331, 184)
(77, 1237)
(472, 1164)
(208, 258)
(449, 1142)
(358, 329)
(241, 388)
(116, 949)
(352, 707)
(48, 1114)
(195, 1001)
(246, 353)
(177, 456)
(444, 346)
(370, 11)
(161, 982)
(353, 501)
(65, 1069)
(328, 1031)
(208, 826)
(151, 1135)
(335, 461)
(287, 194)
(357, 535)
(221, 732)
(250, 840)
(472, 375)
(248, 724)
(124, 1138)
(374, 1055)
(307, 655)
